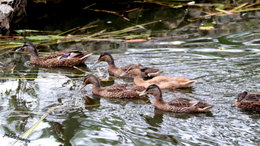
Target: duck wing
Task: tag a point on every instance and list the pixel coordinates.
(181, 102)
(190, 104)
(70, 59)
(159, 80)
(56, 54)
(72, 54)
(55, 62)
(121, 91)
(252, 97)
(136, 88)
(116, 87)
(133, 66)
(150, 72)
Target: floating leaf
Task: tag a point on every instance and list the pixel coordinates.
(219, 6)
(206, 27)
(239, 7)
(147, 114)
(136, 40)
(38, 38)
(221, 48)
(26, 30)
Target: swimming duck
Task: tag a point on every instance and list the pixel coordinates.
(113, 91)
(65, 58)
(248, 101)
(117, 71)
(163, 82)
(178, 105)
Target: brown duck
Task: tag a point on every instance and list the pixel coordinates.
(163, 82)
(65, 58)
(178, 105)
(117, 71)
(113, 91)
(248, 101)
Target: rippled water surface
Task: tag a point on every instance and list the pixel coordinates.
(223, 66)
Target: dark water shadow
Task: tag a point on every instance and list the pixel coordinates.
(251, 114)
(63, 131)
(157, 119)
(183, 115)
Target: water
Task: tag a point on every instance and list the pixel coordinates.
(224, 63)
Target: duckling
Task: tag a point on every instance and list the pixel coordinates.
(163, 82)
(113, 91)
(248, 101)
(117, 71)
(178, 105)
(65, 58)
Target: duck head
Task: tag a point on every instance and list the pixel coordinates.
(154, 90)
(136, 72)
(28, 47)
(241, 96)
(91, 79)
(105, 57)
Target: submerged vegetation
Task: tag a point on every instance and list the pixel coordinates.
(133, 30)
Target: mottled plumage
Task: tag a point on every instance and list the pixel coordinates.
(118, 71)
(248, 101)
(65, 58)
(179, 105)
(113, 91)
(163, 82)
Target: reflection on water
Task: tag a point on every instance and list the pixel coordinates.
(223, 63)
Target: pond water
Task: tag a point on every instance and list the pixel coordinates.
(224, 61)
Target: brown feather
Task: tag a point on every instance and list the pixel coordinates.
(55, 62)
(56, 54)
(185, 105)
(54, 59)
(163, 82)
(113, 91)
(119, 71)
(248, 101)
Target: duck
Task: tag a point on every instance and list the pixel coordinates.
(113, 70)
(164, 82)
(113, 91)
(248, 101)
(65, 58)
(177, 105)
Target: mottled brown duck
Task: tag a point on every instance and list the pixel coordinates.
(65, 58)
(117, 71)
(248, 101)
(178, 105)
(163, 82)
(113, 91)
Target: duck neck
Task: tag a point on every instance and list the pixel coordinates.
(158, 95)
(110, 61)
(34, 53)
(95, 82)
(112, 69)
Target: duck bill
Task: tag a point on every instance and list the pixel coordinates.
(82, 87)
(143, 93)
(19, 49)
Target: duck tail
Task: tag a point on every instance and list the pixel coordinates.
(188, 83)
(207, 108)
(155, 73)
(84, 57)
